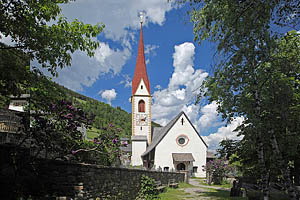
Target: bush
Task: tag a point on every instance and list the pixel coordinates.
(148, 189)
(216, 170)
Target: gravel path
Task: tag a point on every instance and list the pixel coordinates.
(197, 191)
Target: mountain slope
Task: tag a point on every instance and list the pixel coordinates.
(104, 113)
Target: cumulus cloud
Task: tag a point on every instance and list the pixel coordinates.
(209, 115)
(121, 22)
(85, 71)
(224, 132)
(182, 88)
(108, 95)
(119, 18)
(180, 96)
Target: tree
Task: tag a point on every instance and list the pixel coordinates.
(34, 36)
(104, 149)
(216, 170)
(227, 148)
(247, 38)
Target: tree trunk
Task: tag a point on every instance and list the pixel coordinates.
(260, 151)
(283, 167)
(297, 171)
(263, 170)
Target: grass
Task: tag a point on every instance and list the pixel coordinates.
(91, 133)
(175, 193)
(224, 185)
(210, 193)
(80, 101)
(220, 195)
(185, 185)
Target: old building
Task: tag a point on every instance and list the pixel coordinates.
(177, 146)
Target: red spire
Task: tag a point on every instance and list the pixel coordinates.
(140, 67)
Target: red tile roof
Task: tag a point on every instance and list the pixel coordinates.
(140, 67)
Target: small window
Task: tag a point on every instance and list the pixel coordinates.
(195, 169)
(141, 87)
(141, 106)
(141, 128)
(182, 140)
(166, 169)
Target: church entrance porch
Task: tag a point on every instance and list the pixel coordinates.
(183, 162)
(180, 167)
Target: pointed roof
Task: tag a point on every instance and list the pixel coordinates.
(164, 130)
(140, 67)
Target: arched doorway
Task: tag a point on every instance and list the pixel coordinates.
(180, 166)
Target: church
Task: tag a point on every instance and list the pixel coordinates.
(174, 147)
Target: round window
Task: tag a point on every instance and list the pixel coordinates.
(182, 140)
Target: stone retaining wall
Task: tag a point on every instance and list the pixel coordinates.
(63, 179)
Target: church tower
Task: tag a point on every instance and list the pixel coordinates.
(141, 106)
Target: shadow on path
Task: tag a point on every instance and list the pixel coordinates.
(206, 192)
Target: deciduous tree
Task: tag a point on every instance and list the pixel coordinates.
(247, 35)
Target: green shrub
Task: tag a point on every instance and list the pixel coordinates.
(148, 189)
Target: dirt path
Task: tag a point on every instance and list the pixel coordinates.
(198, 191)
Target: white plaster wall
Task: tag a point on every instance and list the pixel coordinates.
(143, 91)
(146, 130)
(168, 145)
(138, 148)
(19, 108)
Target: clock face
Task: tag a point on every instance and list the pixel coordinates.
(141, 119)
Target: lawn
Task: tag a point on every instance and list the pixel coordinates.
(210, 193)
(91, 133)
(224, 185)
(175, 194)
(220, 195)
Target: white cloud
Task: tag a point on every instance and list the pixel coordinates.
(108, 95)
(126, 81)
(85, 71)
(150, 50)
(182, 88)
(119, 17)
(223, 132)
(121, 22)
(158, 87)
(209, 115)
(180, 96)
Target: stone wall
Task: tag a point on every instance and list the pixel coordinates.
(63, 179)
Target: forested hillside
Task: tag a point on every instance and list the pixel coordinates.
(104, 113)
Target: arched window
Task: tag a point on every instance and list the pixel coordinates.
(141, 106)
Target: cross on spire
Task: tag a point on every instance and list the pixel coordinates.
(141, 17)
(140, 67)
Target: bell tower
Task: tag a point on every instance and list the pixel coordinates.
(141, 105)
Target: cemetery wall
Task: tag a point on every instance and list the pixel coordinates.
(49, 178)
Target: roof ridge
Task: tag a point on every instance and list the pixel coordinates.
(161, 134)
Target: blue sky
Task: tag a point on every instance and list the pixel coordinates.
(176, 65)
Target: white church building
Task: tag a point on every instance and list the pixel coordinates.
(174, 147)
